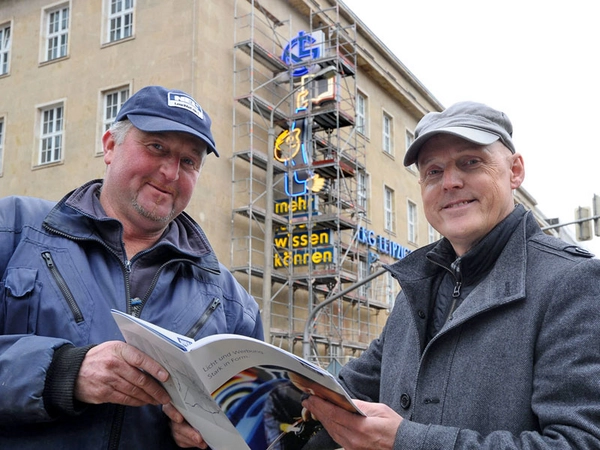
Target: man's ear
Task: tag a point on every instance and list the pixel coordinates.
(108, 146)
(517, 171)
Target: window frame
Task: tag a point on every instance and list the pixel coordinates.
(390, 292)
(411, 221)
(45, 136)
(123, 94)
(387, 134)
(5, 47)
(432, 235)
(363, 272)
(361, 114)
(56, 43)
(123, 91)
(2, 138)
(362, 191)
(409, 138)
(389, 213)
(125, 18)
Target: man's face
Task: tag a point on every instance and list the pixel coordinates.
(467, 188)
(150, 177)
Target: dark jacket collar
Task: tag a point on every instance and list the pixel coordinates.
(418, 277)
(478, 261)
(79, 215)
(415, 266)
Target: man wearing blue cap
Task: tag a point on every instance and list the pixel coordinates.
(67, 380)
(493, 340)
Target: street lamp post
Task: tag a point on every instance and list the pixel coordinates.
(268, 244)
(328, 301)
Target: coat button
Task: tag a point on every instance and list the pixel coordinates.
(405, 401)
(421, 313)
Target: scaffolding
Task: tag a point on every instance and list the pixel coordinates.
(316, 164)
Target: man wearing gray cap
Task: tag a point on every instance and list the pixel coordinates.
(67, 379)
(493, 342)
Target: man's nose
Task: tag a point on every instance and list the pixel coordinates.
(170, 167)
(453, 178)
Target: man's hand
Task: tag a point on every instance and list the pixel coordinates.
(352, 431)
(184, 434)
(115, 372)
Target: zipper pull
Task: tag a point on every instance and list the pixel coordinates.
(216, 302)
(455, 266)
(136, 306)
(456, 292)
(48, 258)
(128, 266)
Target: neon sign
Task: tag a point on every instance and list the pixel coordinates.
(381, 243)
(296, 205)
(303, 47)
(303, 239)
(302, 257)
(290, 149)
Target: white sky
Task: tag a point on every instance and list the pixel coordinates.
(538, 61)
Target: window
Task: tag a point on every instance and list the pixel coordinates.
(120, 19)
(113, 100)
(363, 272)
(1, 143)
(432, 234)
(388, 209)
(387, 134)
(361, 114)
(390, 290)
(410, 138)
(411, 221)
(51, 134)
(4, 49)
(57, 32)
(362, 193)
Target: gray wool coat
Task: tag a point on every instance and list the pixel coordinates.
(517, 366)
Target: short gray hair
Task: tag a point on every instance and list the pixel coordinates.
(119, 130)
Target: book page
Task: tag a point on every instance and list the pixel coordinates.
(244, 388)
(186, 390)
(220, 357)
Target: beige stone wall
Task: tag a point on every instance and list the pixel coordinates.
(189, 45)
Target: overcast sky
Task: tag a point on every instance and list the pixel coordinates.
(535, 60)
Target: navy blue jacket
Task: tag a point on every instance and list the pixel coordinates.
(62, 268)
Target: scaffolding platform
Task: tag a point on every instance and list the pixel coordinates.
(262, 55)
(259, 159)
(262, 107)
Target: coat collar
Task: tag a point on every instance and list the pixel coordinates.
(80, 216)
(504, 283)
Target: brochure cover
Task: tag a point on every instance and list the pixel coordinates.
(238, 392)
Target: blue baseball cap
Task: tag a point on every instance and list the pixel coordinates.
(156, 109)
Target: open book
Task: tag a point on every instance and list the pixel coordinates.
(238, 392)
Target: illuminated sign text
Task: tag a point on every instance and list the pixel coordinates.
(381, 243)
(302, 257)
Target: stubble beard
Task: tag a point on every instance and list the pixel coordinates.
(151, 215)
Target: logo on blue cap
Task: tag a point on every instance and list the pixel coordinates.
(179, 100)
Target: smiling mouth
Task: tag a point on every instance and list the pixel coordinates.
(164, 191)
(458, 204)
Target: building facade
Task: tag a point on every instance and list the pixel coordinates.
(311, 114)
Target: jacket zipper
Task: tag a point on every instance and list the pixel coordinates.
(117, 425)
(202, 320)
(64, 288)
(456, 272)
(116, 428)
(117, 421)
(137, 304)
